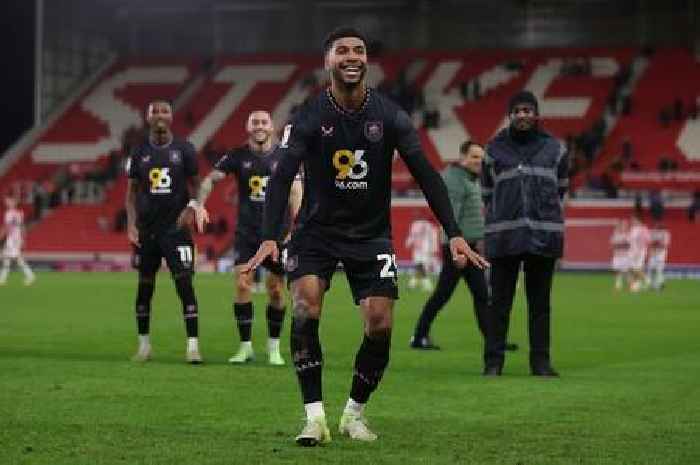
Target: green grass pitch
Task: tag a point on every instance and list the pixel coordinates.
(629, 392)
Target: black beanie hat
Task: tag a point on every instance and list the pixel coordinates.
(524, 96)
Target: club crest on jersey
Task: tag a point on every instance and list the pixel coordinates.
(175, 156)
(327, 131)
(146, 159)
(247, 164)
(374, 131)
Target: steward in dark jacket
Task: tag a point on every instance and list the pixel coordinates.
(524, 179)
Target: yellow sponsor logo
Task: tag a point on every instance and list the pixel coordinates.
(258, 185)
(352, 169)
(160, 180)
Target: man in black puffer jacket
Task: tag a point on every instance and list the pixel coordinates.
(524, 179)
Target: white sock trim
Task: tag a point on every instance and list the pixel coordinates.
(247, 345)
(273, 344)
(354, 407)
(314, 410)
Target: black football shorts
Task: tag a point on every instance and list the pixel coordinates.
(174, 245)
(370, 264)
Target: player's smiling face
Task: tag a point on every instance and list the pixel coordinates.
(159, 116)
(347, 61)
(259, 127)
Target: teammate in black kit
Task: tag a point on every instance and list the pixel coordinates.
(345, 138)
(157, 200)
(252, 165)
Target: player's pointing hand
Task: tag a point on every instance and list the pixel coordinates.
(266, 249)
(462, 254)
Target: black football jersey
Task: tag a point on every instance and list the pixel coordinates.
(347, 160)
(162, 174)
(252, 172)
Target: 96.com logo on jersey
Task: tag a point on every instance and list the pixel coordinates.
(258, 185)
(161, 182)
(352, 169)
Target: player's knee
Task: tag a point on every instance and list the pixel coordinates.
(147, 278)
(185, 289)
(377, 325)
(144, 294)
(275, 293)
(243, 289)
(273, 283)
(305, 309)
(377, 315)
(244, 284)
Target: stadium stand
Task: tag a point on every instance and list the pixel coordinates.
(451, 95)
(658, 132)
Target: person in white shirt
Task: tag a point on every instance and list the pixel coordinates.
(422, 240)
(620, 253)
(639, 243)
(13, 233)
(660, 239)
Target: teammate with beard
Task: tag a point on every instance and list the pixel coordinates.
(252, 165)
(345, 138)
(159, 213)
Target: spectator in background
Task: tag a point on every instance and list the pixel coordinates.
(694, 206)
(476, 88)
(114, 163)
(120, 220)
(431, 117)
(693, 110)
(464, 89)
(638, 205)
(656, 205)
(607, 184)
(627, 150)
(626, 105)
(678, 113)
(39, 200)
(664, 164)
(612, 101)
(221, 226)
(665, 117)
(189, 119)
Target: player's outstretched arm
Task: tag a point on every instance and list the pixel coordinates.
(266, 249)
(293, 150)
(132, 231)
(434, 189)
(295, 195)
(201, 215)
(193, 215)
